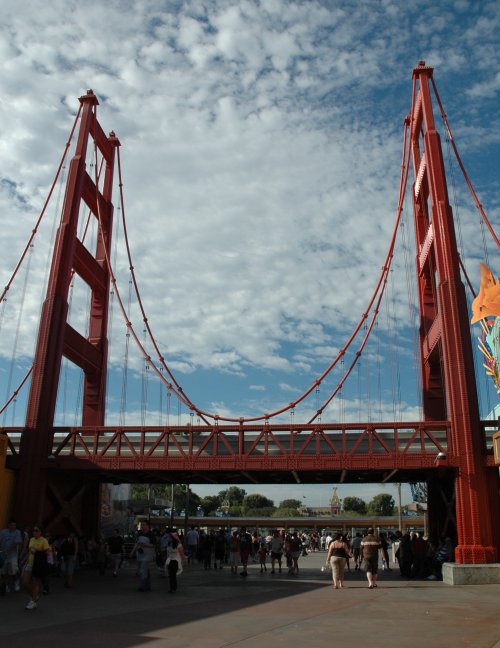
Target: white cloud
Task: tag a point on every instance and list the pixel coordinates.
(260, 155)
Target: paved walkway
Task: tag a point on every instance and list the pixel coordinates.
(214, 609)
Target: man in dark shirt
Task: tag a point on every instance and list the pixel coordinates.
(370, 546)
(115, 548)
(245, 548)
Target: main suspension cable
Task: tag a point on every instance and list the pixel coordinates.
(462, 167)
(44, 208)
(177, 389)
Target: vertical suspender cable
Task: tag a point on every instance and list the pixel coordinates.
(18, 327)
(358, 368)
(379, 374)
(111, 307)
(342, 398)
(368, 380)
(123, 403)
(412, 313)
(144, 390)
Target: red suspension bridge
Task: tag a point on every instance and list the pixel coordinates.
(58, 470)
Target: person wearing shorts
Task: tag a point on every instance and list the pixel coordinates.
(234, 552)
(370, 546)
(245, 549)
(276, 550)
(10, 544)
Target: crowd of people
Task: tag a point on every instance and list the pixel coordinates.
(27, 558)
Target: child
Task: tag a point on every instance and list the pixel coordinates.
(262, 557)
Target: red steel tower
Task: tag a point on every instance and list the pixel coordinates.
(449, 389)
(56, 338)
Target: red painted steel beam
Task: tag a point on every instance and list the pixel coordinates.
(446, 350)
(80, 351)
(56, 338)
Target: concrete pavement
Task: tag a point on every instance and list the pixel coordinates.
(215, 609)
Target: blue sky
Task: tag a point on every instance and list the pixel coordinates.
(261, 150)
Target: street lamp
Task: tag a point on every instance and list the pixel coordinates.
(172, 506)
(400, 512)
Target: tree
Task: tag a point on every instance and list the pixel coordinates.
(381, 504)
(355, 504)
(290, 504)
(233, 495)
(286, 512)
(265, 511)
(255, 502)
(210, 503)
(150, 491)
(164, 491)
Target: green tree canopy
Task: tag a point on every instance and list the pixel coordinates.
(164, 491)
(381, 504)
(286, 512)
(355, 504)
(210, 504)
(233, 495)
(290, 504)
(264, 511)
(254, 502)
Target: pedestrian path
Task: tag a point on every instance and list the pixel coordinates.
(215, 609)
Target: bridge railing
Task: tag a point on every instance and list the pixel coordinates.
(405, 439)
(183, 441)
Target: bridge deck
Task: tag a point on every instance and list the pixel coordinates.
(317, 453)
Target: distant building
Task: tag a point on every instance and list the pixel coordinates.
(335, 503)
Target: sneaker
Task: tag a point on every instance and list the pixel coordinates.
(31, 605)
(432, 577)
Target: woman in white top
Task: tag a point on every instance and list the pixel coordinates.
(174, 562)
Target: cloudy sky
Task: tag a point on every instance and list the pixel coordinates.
(261, 149)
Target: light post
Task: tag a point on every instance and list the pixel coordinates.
(172, 506)
(400, 512)
(186, 511)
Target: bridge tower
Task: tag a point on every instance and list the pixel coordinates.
(39, 499)
(447, 366)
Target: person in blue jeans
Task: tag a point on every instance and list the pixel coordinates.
(145, 552)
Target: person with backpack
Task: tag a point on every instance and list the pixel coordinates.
(295, 550)
(245, 549)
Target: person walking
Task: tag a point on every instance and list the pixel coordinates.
(67, 555)
(356, 550)
(115, 548)
(234, 552)
(174, 562)
(36, 568)
(245, 549)
(145, 550)
(295, 548)
(192, 542)
(337, 555)
(10, 545)
(277, 544)
(370, 546)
